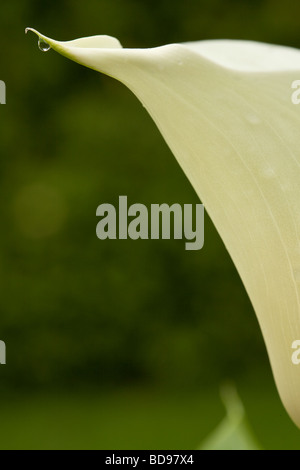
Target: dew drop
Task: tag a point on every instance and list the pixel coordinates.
(296, 273)
(43, 45)
(253, 118)
(268, 172)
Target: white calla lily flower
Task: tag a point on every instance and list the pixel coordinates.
(225, 110)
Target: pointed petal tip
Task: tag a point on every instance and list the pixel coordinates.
(32, 30)
(67, 47)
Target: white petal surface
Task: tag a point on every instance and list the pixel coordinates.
(225, 110)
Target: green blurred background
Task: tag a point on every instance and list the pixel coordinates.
(116, 344)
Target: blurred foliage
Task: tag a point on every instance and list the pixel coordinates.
(233, 433)
(137, 418)
(75, 310)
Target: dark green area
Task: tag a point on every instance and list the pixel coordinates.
(78, 313)
(136, 419)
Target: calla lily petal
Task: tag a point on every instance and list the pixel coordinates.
(225, 110)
